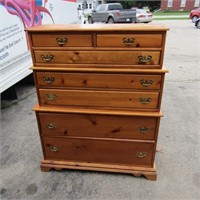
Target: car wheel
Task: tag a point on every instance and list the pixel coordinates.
(110, 20)
(90, 20)
(198, 24)
(194, 18)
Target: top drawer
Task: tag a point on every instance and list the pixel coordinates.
(129, 40)
(61, 40)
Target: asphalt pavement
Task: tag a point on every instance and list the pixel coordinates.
(177, 159)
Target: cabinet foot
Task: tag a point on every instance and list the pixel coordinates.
(58, 168)
(45, 169)
(151, 177)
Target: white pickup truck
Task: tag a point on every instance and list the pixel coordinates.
(112, 13)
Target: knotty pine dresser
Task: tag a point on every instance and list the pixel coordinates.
(99, 90)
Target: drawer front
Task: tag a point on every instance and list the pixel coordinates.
(143, 58)
(103, 81)
(99, 151)
(129, 40)
(98, 126)
(101, 99)
(61, 40)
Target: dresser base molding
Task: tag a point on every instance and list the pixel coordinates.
(149, 173)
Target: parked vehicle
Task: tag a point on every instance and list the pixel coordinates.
(112, 13)
(194, 14)
(142, 16)
(197, 23)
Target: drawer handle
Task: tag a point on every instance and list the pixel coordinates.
(146, 83)
(128, 41)
(48, 80)
(47, 57)
(144, 59)
(144, 100)
(51, 125)
(61, 41)
(53, 148)
(143, 129)
(140, 154)
(51, 97)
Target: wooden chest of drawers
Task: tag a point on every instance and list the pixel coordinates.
(99, 91)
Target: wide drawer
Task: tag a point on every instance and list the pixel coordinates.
(99, 151)
(98, 126)
(129, 40)
(61, 40)
(103, 81)
(101, 99)
(140, 58)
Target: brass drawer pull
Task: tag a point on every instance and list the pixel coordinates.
(144, 59)
(144, 100)
(51, 125)
(61, 41)
(128, 41)
(146, 83)
(48, 80)
(140, 154)
(51, 97)
(47, 57)
(143, 129)
(53, 148)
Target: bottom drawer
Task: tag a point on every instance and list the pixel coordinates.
(99, 151)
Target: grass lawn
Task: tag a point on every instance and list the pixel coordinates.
(170, 18)
(174, 13)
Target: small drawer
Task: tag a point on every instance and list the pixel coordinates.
(61, 40)
(111, 58)
(101, 99)
(98, 126)
(101, 81)
(129, 40)
(99, 151)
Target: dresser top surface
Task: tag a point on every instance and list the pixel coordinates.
(98, 27)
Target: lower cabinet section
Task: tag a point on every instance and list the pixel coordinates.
(99, 151)
(106, 140)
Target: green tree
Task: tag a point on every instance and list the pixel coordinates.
(127, 4)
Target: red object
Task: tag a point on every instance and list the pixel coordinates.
(140, 16)
(195, 14)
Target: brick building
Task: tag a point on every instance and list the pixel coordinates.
(185, 5)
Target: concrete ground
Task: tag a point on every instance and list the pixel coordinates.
(178, 157)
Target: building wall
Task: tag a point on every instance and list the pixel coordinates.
(185, 5)
(91, 4)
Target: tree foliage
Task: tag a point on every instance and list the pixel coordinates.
(127, 4)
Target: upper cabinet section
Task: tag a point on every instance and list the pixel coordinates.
(125, 46)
